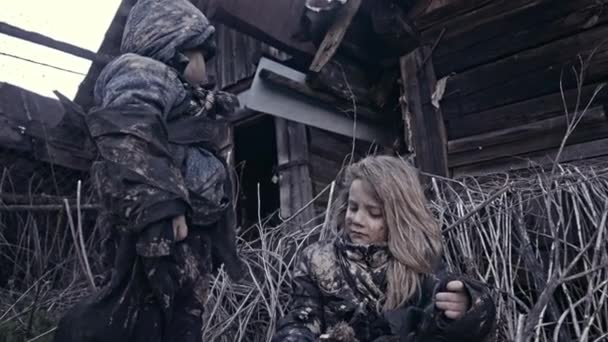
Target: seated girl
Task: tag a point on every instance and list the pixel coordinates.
(382, 279)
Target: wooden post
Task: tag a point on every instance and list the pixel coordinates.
(424, 122)
(294, 172)
(334, 35)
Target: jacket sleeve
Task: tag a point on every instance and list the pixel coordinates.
(138, 178)
(304, 321)
(422, 321)
(477, 323)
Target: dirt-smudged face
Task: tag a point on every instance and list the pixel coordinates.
(364, 222)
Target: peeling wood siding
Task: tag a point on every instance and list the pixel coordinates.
(506, 61)
(237, 56)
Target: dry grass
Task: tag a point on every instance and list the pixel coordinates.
(40, 273)
(541, 245)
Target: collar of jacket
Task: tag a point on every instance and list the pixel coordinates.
(373, 255)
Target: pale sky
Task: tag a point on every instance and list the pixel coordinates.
(79, 22)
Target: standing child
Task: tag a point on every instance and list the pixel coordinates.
(160, 179)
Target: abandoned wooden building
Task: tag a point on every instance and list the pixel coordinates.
(464, 87)
(460, 87)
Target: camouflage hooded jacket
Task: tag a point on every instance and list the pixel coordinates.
(155, 134)
(338, 291)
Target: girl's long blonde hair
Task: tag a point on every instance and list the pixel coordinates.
(414, 236)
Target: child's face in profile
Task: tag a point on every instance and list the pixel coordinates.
(196, 70)
(364, 221)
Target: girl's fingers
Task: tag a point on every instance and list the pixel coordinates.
(454, 314)
(455, 286)
(451, 297)
(450, 306)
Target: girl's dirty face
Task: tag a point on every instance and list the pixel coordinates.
(196, 70)
(364, 222)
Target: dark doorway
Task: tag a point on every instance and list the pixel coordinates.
(256, 160)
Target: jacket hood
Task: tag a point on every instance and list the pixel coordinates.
(162, 29)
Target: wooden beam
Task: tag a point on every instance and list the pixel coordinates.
(295, 185)
(425, 122)
(322, 97)
(583, 133)
(479, 15)
(528, 74)
(343, 78)
(521, 113)
(46, 207)
(555, 55)
(571, 153)
(427, 16)
(483, 39)
(252, 18)
(40, 39)
(334, 35)
(521, 133)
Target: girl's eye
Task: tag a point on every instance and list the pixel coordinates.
(375, 214)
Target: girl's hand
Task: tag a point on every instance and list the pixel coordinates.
(454, 301)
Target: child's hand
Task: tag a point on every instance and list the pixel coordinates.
(454, 302)
(180, 228)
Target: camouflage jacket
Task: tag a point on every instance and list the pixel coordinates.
(155, 134)
(337, 284)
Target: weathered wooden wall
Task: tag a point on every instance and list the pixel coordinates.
(329, 153)
(506, 61)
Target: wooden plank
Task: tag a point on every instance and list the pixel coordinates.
(302, 185)
(533, 85)
(323, 168)
(550, 57)
(43, 40)
(252, 18)
(342, 78)
(336, 147)
(426, 122)
(532, 25)
(295, 186)
(329, 154)
(334, 35)
(571, 153)
(520, 113)
(522, 133)
(477, 15)
(282, 138)
(440, 16)
(303, 89)
(583, 133)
